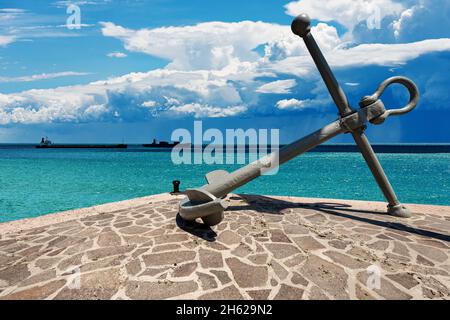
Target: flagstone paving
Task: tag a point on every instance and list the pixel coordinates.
(266, 248)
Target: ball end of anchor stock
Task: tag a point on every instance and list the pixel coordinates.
(204, 205)
(301, 25)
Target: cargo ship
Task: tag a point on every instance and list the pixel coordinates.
(160, 144)
(47, 144)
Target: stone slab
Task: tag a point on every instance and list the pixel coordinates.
(266, 248)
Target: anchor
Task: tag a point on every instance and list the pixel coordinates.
(208, 201)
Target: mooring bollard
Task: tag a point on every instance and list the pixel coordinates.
(176, 186)
(207, 202)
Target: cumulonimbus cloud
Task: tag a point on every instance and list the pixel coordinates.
(348, 13)
(210, 45)
(213, 71)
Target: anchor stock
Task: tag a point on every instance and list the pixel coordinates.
(207, 202)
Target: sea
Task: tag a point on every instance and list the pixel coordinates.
(35, 182)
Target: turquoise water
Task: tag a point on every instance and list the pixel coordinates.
(35, 181)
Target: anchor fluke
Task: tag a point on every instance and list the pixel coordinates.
(202, 204)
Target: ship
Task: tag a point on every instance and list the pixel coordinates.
(47, 144)
(160, 144)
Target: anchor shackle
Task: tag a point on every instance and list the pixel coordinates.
(368, 101)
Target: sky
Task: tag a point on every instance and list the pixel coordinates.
(134, 70)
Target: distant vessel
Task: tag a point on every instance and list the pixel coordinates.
(47, 144)
(161, 144)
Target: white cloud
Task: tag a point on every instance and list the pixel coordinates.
(388, 54)
(424, 20)
(230, 46)
(290, 104)
(11, 10)
(26, 25)
(149, 104)
(201, 111)
(66, 3)
(42, 76)
(117, 55)
(95, 111)
(174, 93)
(170, 101)
(365, 55)
(326, 37)
(279, 86)
(346, 12)
(397, 25)
(5, 40)
(214, 71)
(210, 45)
(295, 104)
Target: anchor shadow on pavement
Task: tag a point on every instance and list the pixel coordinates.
(197, 229)
(276, 206)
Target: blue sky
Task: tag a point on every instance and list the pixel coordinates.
(140, 69)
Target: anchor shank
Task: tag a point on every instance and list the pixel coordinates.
(246, 174)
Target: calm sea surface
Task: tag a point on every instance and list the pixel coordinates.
(34, 182)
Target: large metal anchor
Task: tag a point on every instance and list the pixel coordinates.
(207, 202)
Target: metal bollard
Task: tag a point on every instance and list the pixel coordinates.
(176, 186)
(207, 202)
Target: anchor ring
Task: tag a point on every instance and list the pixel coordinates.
(413, 97)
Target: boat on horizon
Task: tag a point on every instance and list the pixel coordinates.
(160, 144)
(47, 144)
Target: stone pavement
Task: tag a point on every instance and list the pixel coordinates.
(266, 248)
